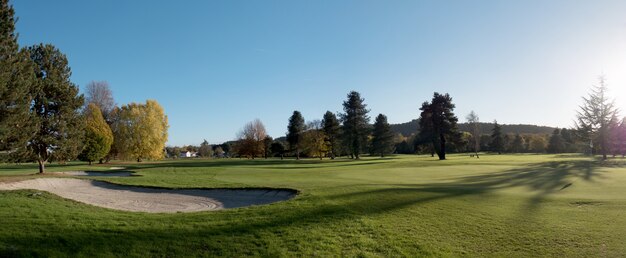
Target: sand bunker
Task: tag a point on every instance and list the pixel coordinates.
(93, 173)
(154, 200)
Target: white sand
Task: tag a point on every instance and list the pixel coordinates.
(93, 173)
(153, 200)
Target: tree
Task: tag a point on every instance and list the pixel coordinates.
(330, 125)
(314, 140)
(219, 151)
(596, 115)
(227, 148)
(100, 94)
(518, 145)
(251, 137)
(205, 149)
(267, 143)
(294, 132)
(473, 120)
(355, 123)
(98, 135)
(382, 137)
(141, 131)
(54, 108)
(537, 144)
(556, 144)
(16, 77)
(278, 148)
(438, 122)
(497, 142)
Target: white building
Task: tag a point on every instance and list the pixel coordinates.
(188, 154)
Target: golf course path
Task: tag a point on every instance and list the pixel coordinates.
(153, 200)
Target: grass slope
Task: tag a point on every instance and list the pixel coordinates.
(508, 205)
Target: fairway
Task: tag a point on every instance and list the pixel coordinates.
(498, 205)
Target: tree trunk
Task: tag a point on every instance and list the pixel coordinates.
(281, 156)
(101, 161)
(42, 166)
(297, 154)
(442, 150)
(90, 163)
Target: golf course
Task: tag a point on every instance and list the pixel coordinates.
(515, 205)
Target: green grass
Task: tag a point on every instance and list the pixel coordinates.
(503, 206)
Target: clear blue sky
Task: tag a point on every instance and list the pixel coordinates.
(215, 65)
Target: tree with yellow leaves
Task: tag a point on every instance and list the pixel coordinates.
(140, 131)
(98, 135)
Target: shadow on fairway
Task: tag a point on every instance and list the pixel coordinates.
(542, 179)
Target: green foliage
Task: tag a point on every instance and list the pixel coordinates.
(355, 124)
(556, 144)
(278, 148)
(98, 135)
(382, 137)
(438, 124)
(497, 140)
(295, 128)
(16, 77)
(55, 108)
(330, 125)
(205, 150)
(595, 116)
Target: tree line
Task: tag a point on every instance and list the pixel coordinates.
(44, 118)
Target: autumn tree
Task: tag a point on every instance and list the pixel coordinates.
(295, 128)
(100, 94)
(330, 125)
(98, 135)
(474, 122)
(596, 115)
(382, 137)
(497, 140)
(438, 122)
(250, 143)
(355, 124)
(16, 77)
(314, 140)
(141, 131)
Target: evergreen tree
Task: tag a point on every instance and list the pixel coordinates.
(596, 115)
(16, 78)
(267, 144)
(355, 123)
(438, 123)
(382, 137)
(330, 125)
(278, 148)
(497, 142)
(55, 107)
(98, 135)
(556, 143)
(295, 128)
(473, 120)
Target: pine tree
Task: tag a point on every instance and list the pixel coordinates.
(55, 108)
(595, 116)
(556, 143)
(330, 125)
(382, 137)
(355, 123)
(16, 77)
(438, 122)
(98, 135)
(294, 132)
(497, 142)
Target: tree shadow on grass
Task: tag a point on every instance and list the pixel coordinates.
(541, 180)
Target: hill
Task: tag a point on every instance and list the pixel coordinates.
(409, 128)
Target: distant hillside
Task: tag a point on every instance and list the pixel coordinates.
(409, 128)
